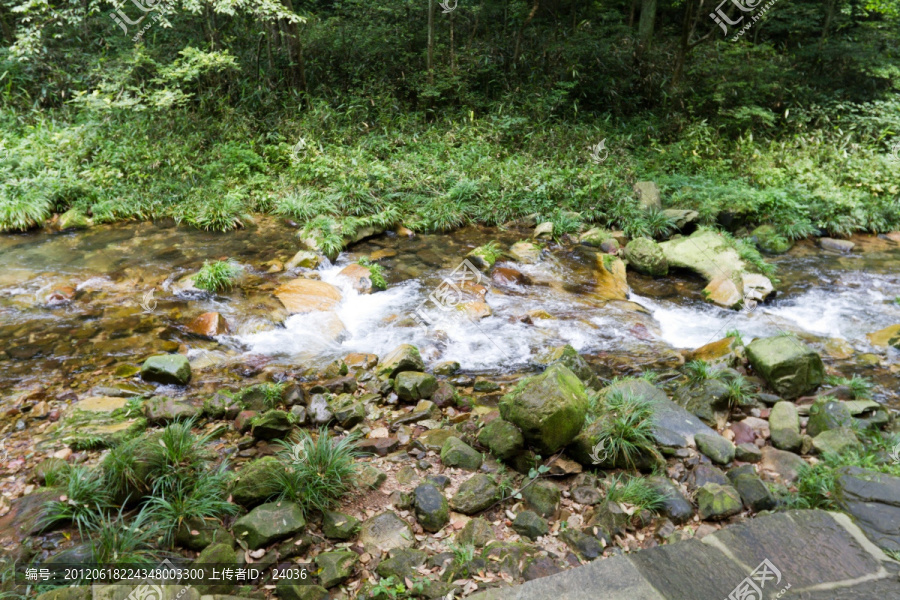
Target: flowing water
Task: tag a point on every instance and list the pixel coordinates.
(75, 306)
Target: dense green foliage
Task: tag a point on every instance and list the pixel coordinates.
(329, 110)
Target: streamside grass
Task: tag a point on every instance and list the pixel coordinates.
(84, 495)
(635, 491)
(320, 470)
(626, 429)
(376, 273)
(699, 371)
(176, 456)
(860, 387)
(217, 276)
(118, 541)
(203, 496)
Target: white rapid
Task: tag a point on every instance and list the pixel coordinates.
(848, 305)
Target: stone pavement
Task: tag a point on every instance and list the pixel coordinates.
(811, 554)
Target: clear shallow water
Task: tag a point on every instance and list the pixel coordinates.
(109, 270)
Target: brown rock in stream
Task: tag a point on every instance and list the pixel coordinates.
(307, 295)
(208, 324)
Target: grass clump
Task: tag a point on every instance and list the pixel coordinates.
(376, 273)
(84, 495)
(860, 387)
(117, 542)
(699, 371)
(320, 470)
(635, 491)
(176, 457)
(740, 392)
(625, 433)
(217, 276)
(203, 497)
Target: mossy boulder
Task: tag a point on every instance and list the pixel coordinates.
(339, 526)
(402, 563)
(716, 501)
(167, 368)
(569, 356)
(457, 453)
(542, 497)
(414, 385)
(645, 256)
(836, 441)
(549, 408)
(162, 410)
(432, 509)
(269, 523)
(789, 366)
(196, 533)
(256, 481)
(770, 241)
(477, 532)
(271, 425)
(475, 494)
(484, 256)
(784, 426)
(718, 449)
(219, 553)
(404, 357)
(502, 438)
(530, 524)
(73, 219)
(335, 567)
(826, 414)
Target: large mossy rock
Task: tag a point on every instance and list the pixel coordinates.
(167, 368)
(256, 481)
(502, 438)
(457, 453)
(549, 408)
(271, 425)
(404, 357)
(568, 356)
(269, 523)
(713, 256)
(716, 501)
(789, 366)
(645, 256)
(414, 385)
(784, 425)
(335, 567)
(475, 494)
(708, 400)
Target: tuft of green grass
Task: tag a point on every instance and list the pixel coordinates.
(122, 471)
(734, 333)
(860, 387)
(626, 429)
(376, 273)
(117, 542)
(635, 491)
(177, 456)
(84, 495)
(22, 211)
(217, 276)
(740, 392)
(205, 496)
(319, 470)
(699, 371)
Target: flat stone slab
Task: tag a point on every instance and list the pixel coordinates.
(819, 555)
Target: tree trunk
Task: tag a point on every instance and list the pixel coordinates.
(534, 9)
(645, 25)
(430, 42)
